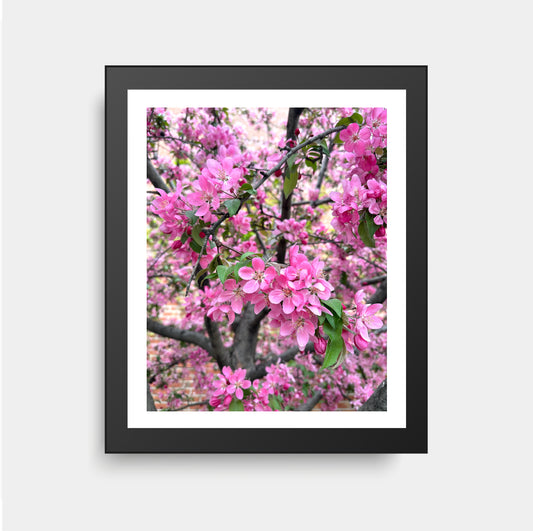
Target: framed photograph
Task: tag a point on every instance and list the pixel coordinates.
(266, 259)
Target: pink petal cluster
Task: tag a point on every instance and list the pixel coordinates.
(365, 187)
(227, 385)
(363, 318)
(292, 230)
(293, 294)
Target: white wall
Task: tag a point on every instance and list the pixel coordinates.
(477, 474)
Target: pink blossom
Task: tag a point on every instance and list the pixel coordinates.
(234, 293)
(355, 139)
(303, 327)
(256, 275)
(238, 382)
(206, 199)
(287, 294)
(226, 176)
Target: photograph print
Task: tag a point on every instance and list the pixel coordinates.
(266, 235)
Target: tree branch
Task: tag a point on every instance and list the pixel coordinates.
(150, 399)
(294, 150)
(311, 403)
(259, 371)
(155, 178)
(324, 166)
(380, 295)
(378, 400)
(219, 351)
(192, 404)
(292, 124)
(187, 336)
(375, 280)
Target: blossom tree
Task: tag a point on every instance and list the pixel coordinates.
(267, 230)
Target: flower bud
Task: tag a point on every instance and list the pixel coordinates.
(320, 345)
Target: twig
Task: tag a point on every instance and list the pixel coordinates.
(311, 403)
(192, 404)
(294, 150)
(324, 166)
(209, 233)
(158, 257)
(314, 203)
(155, 178)
(374, 280)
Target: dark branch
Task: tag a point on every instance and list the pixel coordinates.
(375, 280)
(324, 166)
(219, 351)
(187, 336)
(314, 203)
(259, 371)
(292, 124)
(192, 404)
(260, 316)
(380, 295)
(311, 403)
(278, 166)
(378, 400)
(150, 399)
(156, 179)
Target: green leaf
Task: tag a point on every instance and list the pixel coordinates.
(195, 247)
(246, 187)
(333, 351)
(196, 235)
(223, 273)
(335, 305)
(344, 121)
(274, 403)
(324, 147)
(311, 164)
(291, 160)
(356, 117)
(236, 405)
(331, 321)
(192, 216)
(367, 228)
(244, 256)
(232, 205)
(290, 181)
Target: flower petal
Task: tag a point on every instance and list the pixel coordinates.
(246, 273)
(251, 286)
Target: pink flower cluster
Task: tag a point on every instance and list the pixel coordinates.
(293, 294)
(363, 317)
(231, 384)
(218, 182)
(365, 188)
(354, 199)
(292, 230)
(228, 385)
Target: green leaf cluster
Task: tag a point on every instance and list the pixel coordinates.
(367, 228)
(333, 326)
(291, 177)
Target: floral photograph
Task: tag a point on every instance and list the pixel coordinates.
(266, 259)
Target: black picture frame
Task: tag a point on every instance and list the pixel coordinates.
(121, 439)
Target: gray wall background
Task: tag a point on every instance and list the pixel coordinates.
(477, 474)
